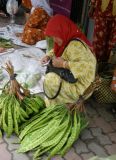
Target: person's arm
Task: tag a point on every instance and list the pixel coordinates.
(57, 62)
(60, 63)
(80, 59)
(47, 57)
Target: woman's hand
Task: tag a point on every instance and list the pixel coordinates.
(58, 62)
(45, 59)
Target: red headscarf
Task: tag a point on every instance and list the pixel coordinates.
(62, 27)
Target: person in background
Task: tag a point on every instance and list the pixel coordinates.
(27, 4)
(71, 51)
(3, 11)
(104, 38)
(36, 24)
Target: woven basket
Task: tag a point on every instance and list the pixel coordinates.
(104, 94)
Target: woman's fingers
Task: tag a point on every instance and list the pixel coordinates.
(58, 62)
(45, 59)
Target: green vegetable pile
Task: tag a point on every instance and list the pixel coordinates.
(13, 112)
(17, 104)
(54, 131)
(51, 130)
(5, 43)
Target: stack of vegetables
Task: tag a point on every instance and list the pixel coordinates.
(16, 104)
(56, 128)
(54, 131)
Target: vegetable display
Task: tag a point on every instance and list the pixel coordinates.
(17, 104)
(51, 130)
(54, 130)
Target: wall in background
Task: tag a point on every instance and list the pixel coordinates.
(61, 7)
